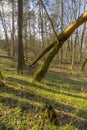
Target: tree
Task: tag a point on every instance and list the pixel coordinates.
(83, 34)
(62, 13)
(62, 37)
(20, 36)
(13, 28)
(2, 15)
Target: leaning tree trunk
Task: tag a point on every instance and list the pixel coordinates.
(83, 65)
(40, 73)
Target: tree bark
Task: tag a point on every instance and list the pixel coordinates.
(82, 37)
(20, 41)
(62, 15)
(13, 28)
(40, 73)
(83, 65)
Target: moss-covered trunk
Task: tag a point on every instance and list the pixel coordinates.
(40, 73)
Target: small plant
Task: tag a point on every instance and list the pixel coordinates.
(35, 127)
(68, 127)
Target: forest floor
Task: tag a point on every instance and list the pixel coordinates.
(22, 99)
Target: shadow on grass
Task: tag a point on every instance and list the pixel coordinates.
(66, 83)
(13, 102)
(70, 120)
(35, 97)
(4, 126)
(52, 87)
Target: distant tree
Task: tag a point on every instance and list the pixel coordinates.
(4, 24)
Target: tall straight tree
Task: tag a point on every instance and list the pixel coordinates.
(13, 29)
(20, 40)
(2, 16)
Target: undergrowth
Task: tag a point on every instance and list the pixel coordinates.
(22, 99)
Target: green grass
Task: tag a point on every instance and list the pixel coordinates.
(21, 99)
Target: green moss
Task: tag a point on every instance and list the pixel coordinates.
(40, 73)
(36, 127)
(68, 127)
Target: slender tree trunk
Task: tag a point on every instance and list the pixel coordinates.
(73, 53)
(83, 33)
(20, 40)
(5, 30)
(82, 37)
(40, 73)
(84, 63)
(62, 10)
(13, 29)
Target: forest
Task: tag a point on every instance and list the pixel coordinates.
(43, 64)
